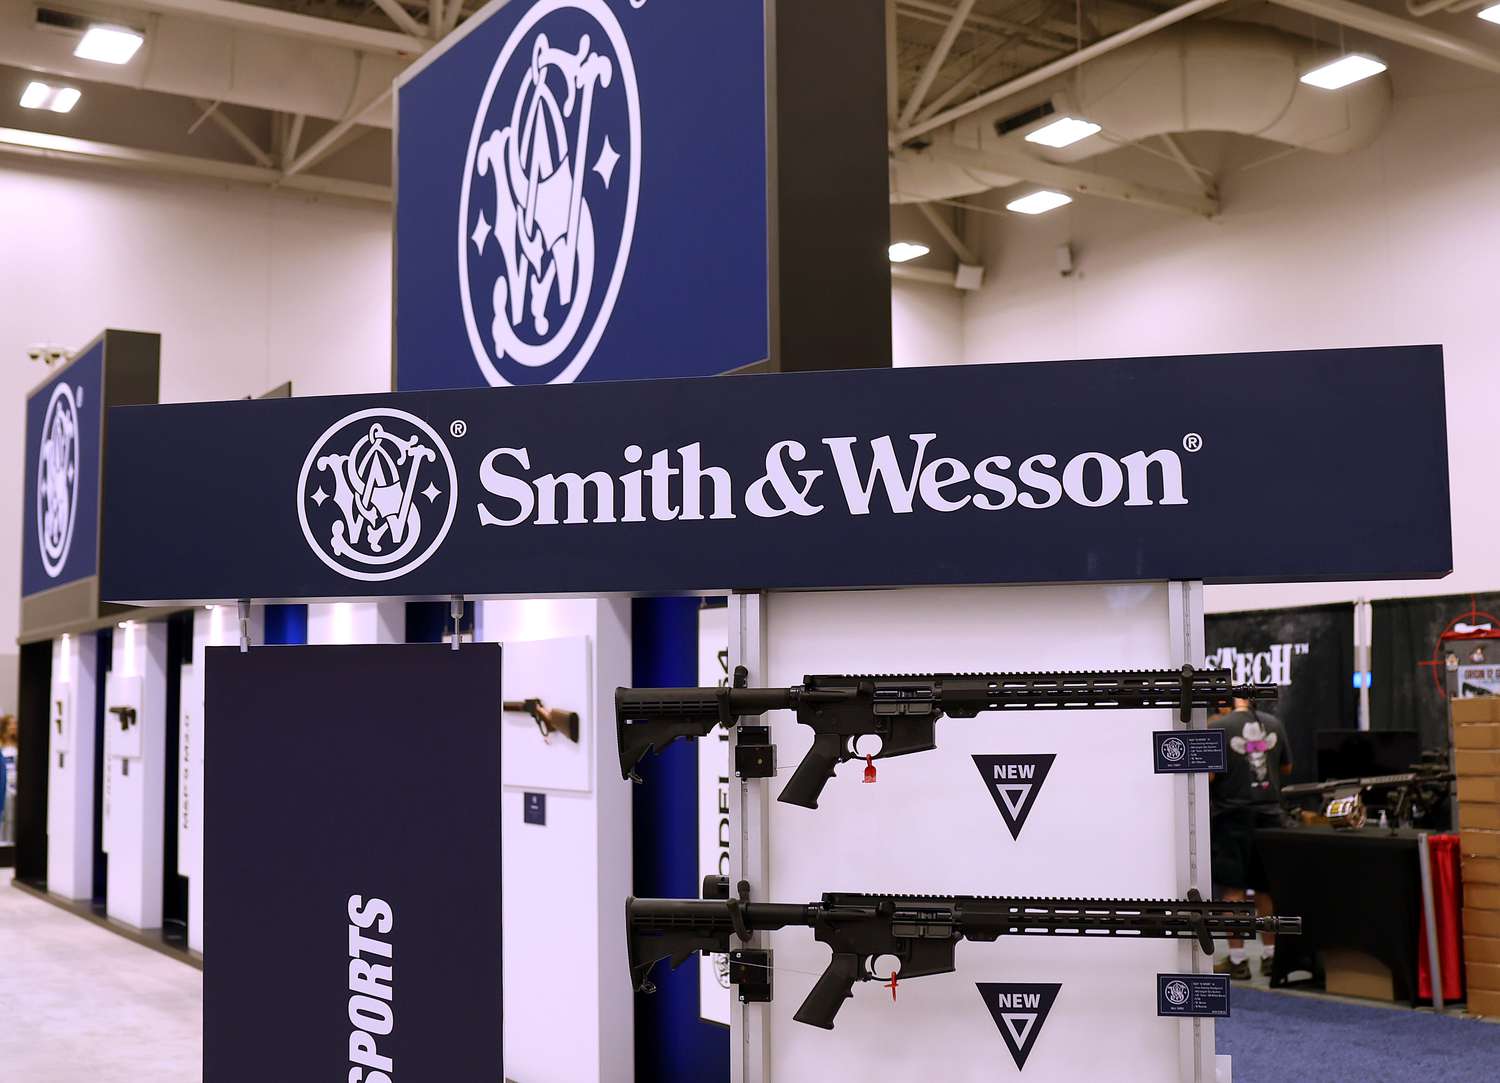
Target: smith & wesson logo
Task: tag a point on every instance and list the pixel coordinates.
(57, 478)
(377, 494)
(549, 194)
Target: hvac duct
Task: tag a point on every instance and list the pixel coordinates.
(1193, 77)
(196, 58)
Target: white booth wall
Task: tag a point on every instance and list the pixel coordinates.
(1398, 243)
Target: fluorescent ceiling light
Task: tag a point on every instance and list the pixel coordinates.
(902, 251)
(1039, 202)
(59, 99)
(1491, 14)
(35, 95)
(108, 44)
(1063, 133)
(1343, 71)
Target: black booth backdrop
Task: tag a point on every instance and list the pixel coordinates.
(1308, 652)
(1406, 686)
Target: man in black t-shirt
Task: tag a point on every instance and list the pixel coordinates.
(1243, 798)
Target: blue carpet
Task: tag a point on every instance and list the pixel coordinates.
(1277, 1038)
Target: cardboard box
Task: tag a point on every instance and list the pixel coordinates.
(1484, 977)
(1479, 843)
(1481, 922)
(1354, 974)
(1482, 896)
(1481, 949)
(1479, 789)
(1481, 870)
(1476, 815)
(1477, 761)
(1484, 1003)
(1475, 709)
(1485, 736)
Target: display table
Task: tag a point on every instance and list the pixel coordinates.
(1360, 890)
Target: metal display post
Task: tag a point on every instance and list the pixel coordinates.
(1429, 920)
(1185, 622)
(749, 850)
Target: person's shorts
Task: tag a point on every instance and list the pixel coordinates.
(1236, 859)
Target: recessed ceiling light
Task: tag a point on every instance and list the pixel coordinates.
(36, 95)
(1063, 133)
(1343, 71)
(108, 44)
(1039, 202)
(1491, 13)
(902, 251)
(59, 99)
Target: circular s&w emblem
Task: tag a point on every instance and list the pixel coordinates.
(57, 479)
(1173, 749)
(549, 194)
(1177, 992)
(377, 494)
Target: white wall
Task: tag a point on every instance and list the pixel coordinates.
(248, 288)
(1395, 244)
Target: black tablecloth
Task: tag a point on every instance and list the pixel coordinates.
(1353, 889)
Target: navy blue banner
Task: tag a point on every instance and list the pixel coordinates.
(1069, 471)
(60, 512)
(353, 872)
(581, 195)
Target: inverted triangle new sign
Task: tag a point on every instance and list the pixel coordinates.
(1014, 783)
(1020, 1010)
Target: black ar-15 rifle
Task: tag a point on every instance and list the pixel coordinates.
(901, 710)
(919, 931)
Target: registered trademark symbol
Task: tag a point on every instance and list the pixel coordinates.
(1191, 442)
(458, 428)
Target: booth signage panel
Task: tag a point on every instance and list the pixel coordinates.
(346, 854)
(60, 511)
(581, 195)
(1067, 471)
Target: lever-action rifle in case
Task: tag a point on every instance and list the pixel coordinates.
(919, 931)
(900, 710)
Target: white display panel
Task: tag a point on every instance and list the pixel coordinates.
(135, 773)
(70, 767)
(565, 881)
(714, 994)
(555, 671)
(1103, 825)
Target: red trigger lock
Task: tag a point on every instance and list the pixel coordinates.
(869, 768)
(891, 985)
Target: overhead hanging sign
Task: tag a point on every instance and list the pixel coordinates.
(1070, 471)
(581, 195)
(60, 513)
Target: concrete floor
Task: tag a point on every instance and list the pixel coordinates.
(79, 1004)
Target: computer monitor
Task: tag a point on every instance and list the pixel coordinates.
(1361, 753)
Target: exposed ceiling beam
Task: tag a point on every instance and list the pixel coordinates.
(402, 18)
(947, 233)
(930, 275)
(327, 31)
(1394, 28)
(935, 61)
(292, 138)
(936, 13)
(1057, 67)
(211, 111)
(335, 135)
(1201, 177)
(981, 64)
(63, 148)
(1022, 166)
